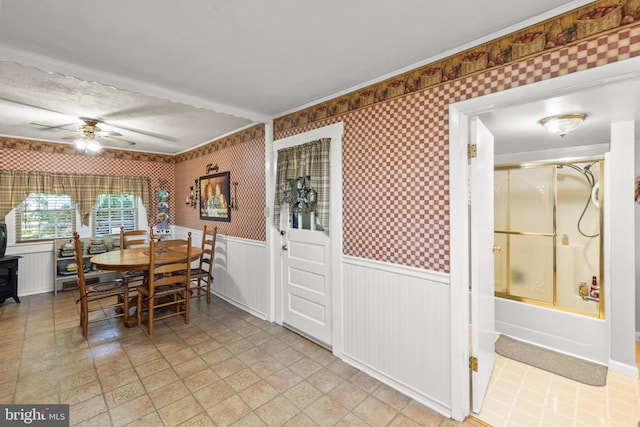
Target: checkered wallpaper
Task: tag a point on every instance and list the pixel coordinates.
(245, 160)
(396, 153)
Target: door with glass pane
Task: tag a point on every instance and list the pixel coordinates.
(305, 272)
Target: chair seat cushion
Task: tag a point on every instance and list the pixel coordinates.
(133, 274)
(195, 272)
(164, 289)
(102, 287)
(170, 288)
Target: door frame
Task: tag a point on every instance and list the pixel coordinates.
(335, 132)
(459, 117)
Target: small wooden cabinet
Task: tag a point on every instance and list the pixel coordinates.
(66, 279)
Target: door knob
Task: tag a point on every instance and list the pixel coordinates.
(282, 232)
(284, 247)
(497, 249)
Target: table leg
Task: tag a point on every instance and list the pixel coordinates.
(130, 319)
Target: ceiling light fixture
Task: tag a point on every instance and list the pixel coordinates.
(88, 144)
(564, 123)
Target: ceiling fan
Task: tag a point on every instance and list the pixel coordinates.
(88, 135)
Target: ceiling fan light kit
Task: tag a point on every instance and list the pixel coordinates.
(88, 134)
(88, 145)
(564, 123)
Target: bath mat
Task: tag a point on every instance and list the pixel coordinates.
(561, 364)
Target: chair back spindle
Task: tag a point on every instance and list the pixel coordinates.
(168, 281)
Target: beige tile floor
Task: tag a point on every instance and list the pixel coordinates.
(521, 395)
(229, 368)
(226, 367)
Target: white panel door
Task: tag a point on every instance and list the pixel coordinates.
(482, 263)
(306, 276)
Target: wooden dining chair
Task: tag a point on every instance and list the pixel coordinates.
(165, 287)
(129, 239)
(132, 238)
(202, 276)
(89, 293)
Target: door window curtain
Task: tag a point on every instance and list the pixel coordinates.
(301, 161)
(15, 186)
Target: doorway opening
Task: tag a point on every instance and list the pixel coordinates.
(588, 86)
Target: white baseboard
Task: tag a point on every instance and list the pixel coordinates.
(624, 369)
(241, 306)
(437, 406)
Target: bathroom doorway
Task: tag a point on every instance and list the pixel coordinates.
(548, 235)
(513, 114)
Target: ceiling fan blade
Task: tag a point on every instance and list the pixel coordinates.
(139, 111)
(118, 140)
(24, 104)
(64, 127)
(104, 133)
(78, 136)
(142, 132)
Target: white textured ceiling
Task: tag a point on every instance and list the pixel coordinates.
(172, 75)
(48, 106)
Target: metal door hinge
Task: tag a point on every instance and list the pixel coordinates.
(472, 151)
(473, 363)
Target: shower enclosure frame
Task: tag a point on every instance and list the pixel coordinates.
(554, 236)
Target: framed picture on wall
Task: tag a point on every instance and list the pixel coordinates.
(215, 195)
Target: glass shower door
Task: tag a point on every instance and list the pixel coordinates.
(525, 233)
(547, 235)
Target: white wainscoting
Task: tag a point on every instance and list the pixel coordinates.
(240, 271)
(396, 328)
(35, 268)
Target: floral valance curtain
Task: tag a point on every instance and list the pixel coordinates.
(301, 161)
(15, 186)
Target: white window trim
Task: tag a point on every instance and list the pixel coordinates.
(83, 231)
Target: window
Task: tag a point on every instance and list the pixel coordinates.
(112, 211)
(45, 216)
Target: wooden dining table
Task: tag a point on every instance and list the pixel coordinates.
(137, 259)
